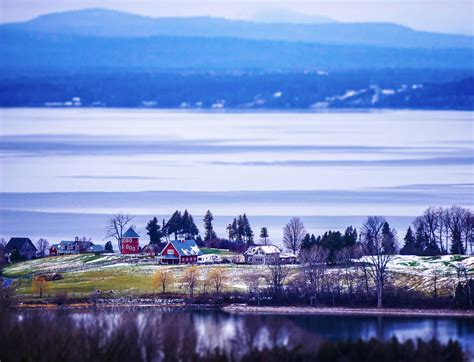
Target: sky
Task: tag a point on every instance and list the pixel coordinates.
(448, 16)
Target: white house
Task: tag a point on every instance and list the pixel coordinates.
(262, 254)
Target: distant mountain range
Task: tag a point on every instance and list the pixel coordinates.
(108, 23)
(111, 58)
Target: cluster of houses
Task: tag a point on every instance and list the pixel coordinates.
(174, 252)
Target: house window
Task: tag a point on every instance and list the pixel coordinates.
(170, 252)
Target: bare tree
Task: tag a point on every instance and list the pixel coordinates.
(83, 243)
(252, 280)
(116, 226)
(459, 225)
(162, 279)
(217, 278)
(377, 253)
(39, 284)
(3, 242)
(314, 261)
(293, 234)
(277, 274)
(42, 245)
(436, 275)
(190, 278)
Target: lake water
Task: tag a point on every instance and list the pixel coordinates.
(203, 331)
(64, 170)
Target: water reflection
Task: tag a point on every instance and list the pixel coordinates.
(206, 331)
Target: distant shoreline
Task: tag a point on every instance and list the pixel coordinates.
(246, 309)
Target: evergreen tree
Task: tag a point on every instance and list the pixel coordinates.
(209, 229)
(109, 247)
(153, 230)
(389, 239)
(174, 225)
(457, 246)
(350, 237)
(248, 232)
(409, 248)
(230, 232)
(306, 242)
(432, 248)
(421, 240)
(188, 228)
(264, 234)
(233, 230)
(240, 229)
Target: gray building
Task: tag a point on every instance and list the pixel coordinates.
(26, 249)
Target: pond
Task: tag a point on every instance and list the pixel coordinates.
(202, 331)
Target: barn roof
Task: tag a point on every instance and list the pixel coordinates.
(186, 247)
(130, 233)
(17, 243)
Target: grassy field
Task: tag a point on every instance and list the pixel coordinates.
(126, 279)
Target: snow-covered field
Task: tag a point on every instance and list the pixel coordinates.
(86, 273)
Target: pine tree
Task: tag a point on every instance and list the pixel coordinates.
(240, 229)
(306, 242)
(421, 241)
(248, 232)
(264, 234)
(209, 229)
(350, 237)
(409, 248)
(188, 228)
(457, 246)
(109, 247)
(234, 230)
(154, 231)
(388, 239)
(175, 225)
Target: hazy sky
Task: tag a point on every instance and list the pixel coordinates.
(453, 16)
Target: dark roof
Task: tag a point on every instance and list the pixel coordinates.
(186, 247)
(130, 233)
(17, 243)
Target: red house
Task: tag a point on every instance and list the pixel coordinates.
(180, 252)
(130, 242)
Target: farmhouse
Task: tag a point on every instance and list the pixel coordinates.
(24, 246)
(180, 252)
(68, 247)
(130, 242)
(262, 254)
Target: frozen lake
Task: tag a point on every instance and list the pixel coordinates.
(332, 169)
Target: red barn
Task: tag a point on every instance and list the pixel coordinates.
(130, 242)
(180, 252)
